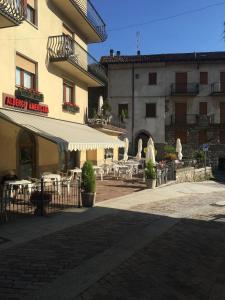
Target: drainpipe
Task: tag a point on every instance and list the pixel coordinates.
(132, 117)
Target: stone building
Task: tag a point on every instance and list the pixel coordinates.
(167, 96)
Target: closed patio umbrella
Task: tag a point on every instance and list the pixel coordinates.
(179, 149)
(138, 156)
(100, 104)
(125, 155)
(150, 154)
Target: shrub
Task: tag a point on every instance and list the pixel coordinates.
(199, 156)
(88, 179)
(170, 156)
(150, 172)
(169, 149)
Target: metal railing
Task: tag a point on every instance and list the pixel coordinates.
(165, 173)
(184, 88)
(195, 119)
(14, 9)
(63, 47)
(105, 122)
(218, 87)
(38, 198)
(93, 17)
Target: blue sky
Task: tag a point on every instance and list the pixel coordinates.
(199, 31)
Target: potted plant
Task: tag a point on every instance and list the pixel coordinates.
(88, 185)
(150, 175)
(41, 201)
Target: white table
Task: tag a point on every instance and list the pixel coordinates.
(10, 185)
(55, 178)
(75, 172)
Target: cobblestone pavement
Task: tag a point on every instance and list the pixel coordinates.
(184, 261)
(29, 266)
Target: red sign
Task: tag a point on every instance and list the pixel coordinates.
(11, 101)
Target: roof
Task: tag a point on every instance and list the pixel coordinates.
(68, 135)
(171, 57)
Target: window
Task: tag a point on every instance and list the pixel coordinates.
(25, 72)
(202, 137)
(123, 111)
(150, 110)
(108, 153)
(152, 78)
(25, 79)
(68, 92)
(182, 135)
(31, 14)
(203, 77)
(203, 108)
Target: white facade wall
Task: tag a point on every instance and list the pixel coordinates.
(120, 92)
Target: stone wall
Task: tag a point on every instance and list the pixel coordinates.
(192, 174)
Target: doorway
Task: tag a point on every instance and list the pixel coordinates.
(26, 155)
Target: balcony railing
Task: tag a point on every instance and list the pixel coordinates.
(15, 10)
(192, 119)
(104, 123)
(92, 16)
(184, 89)
(218, 88)
(64, 48)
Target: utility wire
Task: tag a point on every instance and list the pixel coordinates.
(187, 12)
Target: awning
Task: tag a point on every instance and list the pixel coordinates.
(68, 135)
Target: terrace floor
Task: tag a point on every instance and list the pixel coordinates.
(110, 188)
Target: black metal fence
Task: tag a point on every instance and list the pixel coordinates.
(166, 173)
(37, 198)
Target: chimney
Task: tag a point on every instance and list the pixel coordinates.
(138, 52)
(118, 53)
(111, 52)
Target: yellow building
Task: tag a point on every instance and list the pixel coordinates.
(45, 74)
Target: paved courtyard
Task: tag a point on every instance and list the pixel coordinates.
(162, 244)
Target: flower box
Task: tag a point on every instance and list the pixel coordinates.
(29, 94)
(71, 107)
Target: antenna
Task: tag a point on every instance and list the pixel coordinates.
(138, 35)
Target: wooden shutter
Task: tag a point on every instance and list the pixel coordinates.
(152, 78)
(181, 82)
(181, 113)
(182, 135)
(222, 112)
(203, 77)
(203, 108)
(150, 110)
(222, 137)
(222, 82)
(202, 137)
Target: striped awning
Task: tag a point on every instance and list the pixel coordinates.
(68, 135)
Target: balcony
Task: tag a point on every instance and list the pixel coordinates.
(12, 12)
(218, 88)
(191, 119)
(184, 89)
(107, 125)
(67, 55)
(83, 15)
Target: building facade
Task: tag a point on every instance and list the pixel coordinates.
(46, 70)
(167, 96)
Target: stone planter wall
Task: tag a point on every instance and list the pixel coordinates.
(192, 174)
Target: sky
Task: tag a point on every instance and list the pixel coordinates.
(201, 30)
